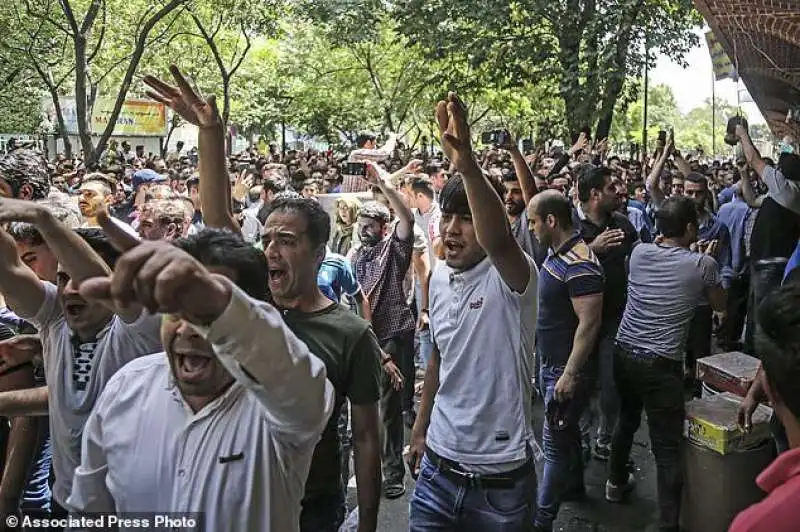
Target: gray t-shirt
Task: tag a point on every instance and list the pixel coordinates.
(665, 286)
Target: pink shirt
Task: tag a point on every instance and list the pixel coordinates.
(780, 511)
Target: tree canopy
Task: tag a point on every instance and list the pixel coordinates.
(331, 68)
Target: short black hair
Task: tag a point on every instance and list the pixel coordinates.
(697, 178)
(674, 215)
(365, 137)
(591, 179)
(453, 197)
(778, 343)
(556, 205)
(224, 249)
(26, 167)
(100, 243)
(318, 223)
(420, 185)
(192, 182)
(26, 233)
(375, 211)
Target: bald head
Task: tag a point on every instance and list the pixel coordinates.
(551, 202)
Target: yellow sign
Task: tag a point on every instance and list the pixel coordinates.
(137, 118)
(723, 68)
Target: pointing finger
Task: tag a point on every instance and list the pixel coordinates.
(121, 240)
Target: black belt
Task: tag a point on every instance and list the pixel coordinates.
(457, 474)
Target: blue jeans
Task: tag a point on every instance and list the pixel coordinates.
(439, 504)
(424, 337)
(563, 466)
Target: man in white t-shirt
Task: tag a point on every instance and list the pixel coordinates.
(83, 344)
(472, 444)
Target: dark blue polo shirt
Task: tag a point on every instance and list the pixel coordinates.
(571, 271)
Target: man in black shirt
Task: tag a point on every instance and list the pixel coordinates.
(294, 238)
(612, 238)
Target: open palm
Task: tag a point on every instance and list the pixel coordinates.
(455, 134)
(184, 100)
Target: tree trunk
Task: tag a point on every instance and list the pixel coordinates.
(173, 124)
(82, 111)
(60, 123)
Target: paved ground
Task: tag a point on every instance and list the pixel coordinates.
(592, 515)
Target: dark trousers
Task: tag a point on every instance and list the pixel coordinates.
(655, 384)
(698, 343)
(322, 513)
(730, 332)
(401, 349)
(765, 276)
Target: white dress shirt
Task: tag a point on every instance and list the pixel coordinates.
(242, 461)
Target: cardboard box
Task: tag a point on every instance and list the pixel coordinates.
(712, 423)
(732, 372)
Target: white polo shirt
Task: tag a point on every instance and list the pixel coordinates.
(485, 334)
(117, 344)
(242, 460)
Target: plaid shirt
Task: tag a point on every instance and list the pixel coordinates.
(380, 270)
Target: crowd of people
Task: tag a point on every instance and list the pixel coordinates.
(198, 334)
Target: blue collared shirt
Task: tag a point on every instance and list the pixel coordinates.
(734, 215)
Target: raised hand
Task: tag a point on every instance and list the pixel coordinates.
(14, 210)
(451, 114)
(160, 277)
(184, 100)
(580, 144)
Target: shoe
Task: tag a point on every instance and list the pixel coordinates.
(602, 451)
(617, 494)
(394, 490)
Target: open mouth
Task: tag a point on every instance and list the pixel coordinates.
(276, 275)
(452, 247)
(74, 309)
(192, 367)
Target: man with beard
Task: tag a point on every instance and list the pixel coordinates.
(711, 229)
(294, 240)
(520, 187)
(611, 236)
(83, 344)
(380, 265)
(231, 410)
(97, 196)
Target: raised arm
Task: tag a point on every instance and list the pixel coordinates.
(74, 254)
(23, 291)
(290, 382)
(489, 219)
(250, 337)
(524, 174)
(750, 152)
(215, 187)
(653, 184)
(376, 176)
